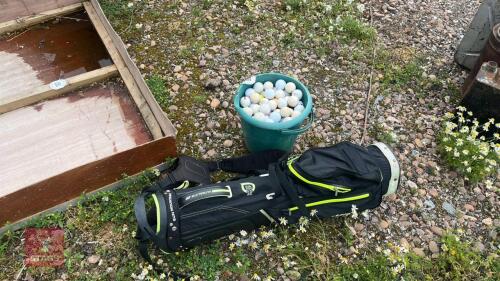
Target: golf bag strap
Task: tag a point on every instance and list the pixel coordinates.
(145, 231)
(288, 187)
(247, 164)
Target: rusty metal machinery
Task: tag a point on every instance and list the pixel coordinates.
(482, 95)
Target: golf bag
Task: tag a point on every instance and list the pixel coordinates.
(188, 209)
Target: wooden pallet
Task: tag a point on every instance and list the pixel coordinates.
(57, 143)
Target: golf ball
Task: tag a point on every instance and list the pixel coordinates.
(286, 112)
(280, 84)
(268, 120)
(249, 92)
(265, 108)
(280, 94)
(248, 111)
(275, 116)
(289, 88)
(273, 104)
(295, 114)
(299, 108)
(268, 85)
(260, 116)
(258, 87)
(282, 103)
(245, 101)
(286, 119)
(297, 93)
(269, 94)
(255, 108)
(255, 98)
(293, 101)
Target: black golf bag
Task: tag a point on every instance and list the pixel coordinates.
(188, 209)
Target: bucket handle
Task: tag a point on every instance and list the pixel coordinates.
(300, 130)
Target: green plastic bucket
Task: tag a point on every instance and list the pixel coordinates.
(261, 135)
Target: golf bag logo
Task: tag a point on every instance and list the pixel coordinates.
(248, 187)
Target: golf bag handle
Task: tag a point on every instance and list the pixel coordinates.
(300, 130)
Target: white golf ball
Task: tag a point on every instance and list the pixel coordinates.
(280, 94)
(259, 116)
(282, 103)
(268, 85)
(255, 108)
(280, 84)
(258, 87)
(286, 112)
(295, 114)
(263, 100)
(245, 101)
(249, 92)
(273, 104)
(275, 116)
(299, 108)
(269, 94)
(248, 111)
(297, 93)
(268, 120)
(265, 108)
(286, 119)
(255, 98)
(290, 87)
(293, 101)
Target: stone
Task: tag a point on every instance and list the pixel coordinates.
(479, 247)
(383, 224)
(419, 252)
(202, 63)
(411, 184)
(404, 243)
(213, 83)
(173, 108)
(433, 247)
(228, 143)
(487, 221)
(93, 259)
(433, 192)
(437, 230)
(469, 207)
(449, 208)
(293, 275)
(225, 104)
(211, 153)
(177, 68)
(429, 204)
(175, 88)
(215, 103)
(419, 143)
(359, 226)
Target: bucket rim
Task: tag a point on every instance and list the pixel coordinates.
(273, 126)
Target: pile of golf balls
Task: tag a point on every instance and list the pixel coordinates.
(273, 103)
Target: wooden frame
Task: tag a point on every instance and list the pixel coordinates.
(35, 199)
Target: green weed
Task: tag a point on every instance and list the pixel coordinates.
(157, 86)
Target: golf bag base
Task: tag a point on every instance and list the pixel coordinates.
(329, 180)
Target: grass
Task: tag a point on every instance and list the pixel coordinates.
(157, 86)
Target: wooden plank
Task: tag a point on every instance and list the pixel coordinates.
(135, 92)
(26, 21)
(161, 117)
(71, 184)
(45, 92)
(74, 202)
